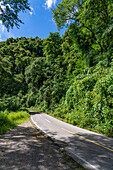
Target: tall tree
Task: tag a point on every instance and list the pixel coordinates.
(9, 10)
(52, 46)
(90, 21)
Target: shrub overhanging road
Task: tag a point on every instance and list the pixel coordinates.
(90, 149)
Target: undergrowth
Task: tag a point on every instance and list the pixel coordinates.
(9, 120)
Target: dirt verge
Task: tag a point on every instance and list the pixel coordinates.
(26, 148)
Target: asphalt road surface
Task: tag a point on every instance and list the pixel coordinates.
(92, 150)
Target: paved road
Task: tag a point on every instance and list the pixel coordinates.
(93, 151)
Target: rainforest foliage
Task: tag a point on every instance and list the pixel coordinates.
(69, 76)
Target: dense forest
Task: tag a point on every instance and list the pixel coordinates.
(71, 76)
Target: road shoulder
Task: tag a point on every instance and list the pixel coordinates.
(25, 147)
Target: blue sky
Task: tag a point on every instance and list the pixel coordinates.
(38, 22)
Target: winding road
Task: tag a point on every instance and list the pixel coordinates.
(92, 150)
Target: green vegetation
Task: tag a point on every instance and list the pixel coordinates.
(71, 76)
(9, 12)
(9, 120)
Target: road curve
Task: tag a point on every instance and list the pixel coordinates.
(92, 150)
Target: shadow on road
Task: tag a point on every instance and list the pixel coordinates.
(26, 148)
(34, 112)
(92, 147)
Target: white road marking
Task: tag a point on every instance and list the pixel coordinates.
(47, 120)
(86, 162)
(38, 127)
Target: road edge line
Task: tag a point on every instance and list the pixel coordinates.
(38, 127)
(77, 158)
(80, 160)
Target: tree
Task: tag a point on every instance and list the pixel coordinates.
(91, 23)
(52, 46)
(9, 10)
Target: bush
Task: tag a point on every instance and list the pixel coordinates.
(88, 102)
(10, 120)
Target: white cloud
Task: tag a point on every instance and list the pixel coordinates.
(32, 11)
(49, 3)
(1, 30)
(4, 34)
(3, 7)
(1, 38)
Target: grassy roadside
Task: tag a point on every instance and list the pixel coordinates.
(9, 120)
